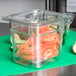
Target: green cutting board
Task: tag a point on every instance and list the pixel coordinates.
(8, 67)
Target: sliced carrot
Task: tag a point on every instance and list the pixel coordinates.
(48, 45)
(50, 48)
(44, 29)
(27, 57)
(24, 48)
(54, 54)
(50, 37)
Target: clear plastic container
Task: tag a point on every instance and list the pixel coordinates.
(67, 18)
(36, 38)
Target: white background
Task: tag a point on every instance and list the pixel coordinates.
(14, 6)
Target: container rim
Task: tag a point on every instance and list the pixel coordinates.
(10, 18)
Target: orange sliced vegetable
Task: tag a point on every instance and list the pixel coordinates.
(49, 50)
(49, 45)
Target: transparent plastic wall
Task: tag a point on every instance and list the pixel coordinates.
(36, 37)
(67, 18)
